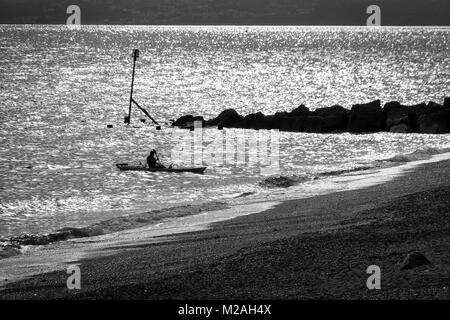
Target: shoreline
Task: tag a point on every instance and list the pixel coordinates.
(324, 183)
(192, 249)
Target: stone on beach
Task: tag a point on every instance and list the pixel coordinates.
(414, 260)
(59, 235)
(8, 251)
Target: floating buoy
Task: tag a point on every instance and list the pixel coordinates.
(109, 126)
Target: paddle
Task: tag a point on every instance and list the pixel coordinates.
(169, 167)
(159, 161)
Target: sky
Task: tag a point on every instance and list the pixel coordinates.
(228, 12)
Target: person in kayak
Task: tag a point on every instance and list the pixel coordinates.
(153, 160)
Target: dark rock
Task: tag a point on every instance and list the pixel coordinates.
(362, 118)
(282, 181)
(414, 260)
(434, 105)
(367, 118)
(187, 121)
(326, 124)
(396, 114)
(400, 128)
(433, 123)
(334, 119)
(30, 239)
(8, 251)
(228, 118)
(282, 114)
(313, 124)
(392, 106)
(278, 121)
(80, 232)
(183, 120)
(335, 123)
(414, 112)
(401, 117)
(328, 111)
(292, 124)
(300, 111)
(59, 235)
(255, 121)
(447, 102)
(418, 108)
(374, 106)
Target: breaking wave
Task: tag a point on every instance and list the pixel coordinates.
(282, 181)
(420, 154)
(13, 245)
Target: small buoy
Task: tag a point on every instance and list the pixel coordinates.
(142, 120)
(220, 127)
(109, 126)
(158, 127)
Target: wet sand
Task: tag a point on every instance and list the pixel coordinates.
(301, 249)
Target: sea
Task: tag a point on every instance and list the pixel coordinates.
(61, 87)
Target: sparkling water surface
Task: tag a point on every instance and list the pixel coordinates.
(60, 87)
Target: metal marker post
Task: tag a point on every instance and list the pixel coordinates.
(135, 56)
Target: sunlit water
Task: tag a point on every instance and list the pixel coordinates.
(61, 87)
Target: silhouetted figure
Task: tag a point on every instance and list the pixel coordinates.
(153, 160)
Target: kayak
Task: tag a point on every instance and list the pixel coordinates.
(126, 167)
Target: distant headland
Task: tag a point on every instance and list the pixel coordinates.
(227, 12)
